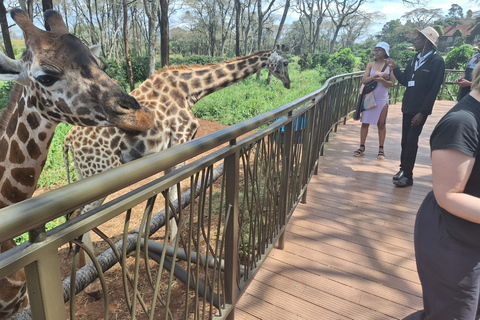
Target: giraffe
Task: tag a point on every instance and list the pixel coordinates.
(170, 94)
(58, 79)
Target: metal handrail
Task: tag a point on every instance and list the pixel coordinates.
(265, 176)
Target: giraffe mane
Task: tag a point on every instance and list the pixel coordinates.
(11, 107)
(197, 66)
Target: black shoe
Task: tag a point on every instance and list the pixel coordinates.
(403, 182)
(399, 175)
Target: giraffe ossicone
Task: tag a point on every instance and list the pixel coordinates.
(58, 79)
(170, 94)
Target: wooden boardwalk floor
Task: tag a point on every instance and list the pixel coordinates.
(349, 250)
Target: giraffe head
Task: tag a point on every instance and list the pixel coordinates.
(278, 66)
(66, 81)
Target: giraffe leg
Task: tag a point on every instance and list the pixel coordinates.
(173, 195)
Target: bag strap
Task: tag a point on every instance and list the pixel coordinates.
(384, 67)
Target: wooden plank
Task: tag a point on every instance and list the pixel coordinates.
(349, 250)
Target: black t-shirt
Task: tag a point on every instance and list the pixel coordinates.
(459, 129)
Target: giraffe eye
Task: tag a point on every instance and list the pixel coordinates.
(47, 80)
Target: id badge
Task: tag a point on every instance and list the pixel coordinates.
(411, 83)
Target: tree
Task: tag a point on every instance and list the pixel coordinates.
(164, 34)
(422, 17)
(151, 8)
(340, 12)
(128, 57)
(5, 32)
(455, 12)
(312, 13)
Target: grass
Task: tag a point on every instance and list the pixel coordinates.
(228, 106)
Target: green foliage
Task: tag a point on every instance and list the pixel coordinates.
(5, 89)
(118, 72)
(460, 41)
(342, 59)
(250, 97)
(401, 54)
(305, 61)
(458, 57)
(53, 173)
(439, 29)
(48, 226)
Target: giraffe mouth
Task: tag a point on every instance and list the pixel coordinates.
(133, 120)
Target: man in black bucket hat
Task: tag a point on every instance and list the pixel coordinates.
(423, 77)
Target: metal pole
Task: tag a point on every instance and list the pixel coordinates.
(231, 242)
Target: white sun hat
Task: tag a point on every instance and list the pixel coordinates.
(384, 46)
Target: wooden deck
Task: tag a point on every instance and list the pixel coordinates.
(349, 251)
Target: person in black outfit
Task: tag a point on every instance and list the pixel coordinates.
(423, 77)
(465, 81)
(447, 226)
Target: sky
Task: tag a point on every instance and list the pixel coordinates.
(394, 9)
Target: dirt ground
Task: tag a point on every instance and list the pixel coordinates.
(88, 307)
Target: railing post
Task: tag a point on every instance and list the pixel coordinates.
(285, 190)
(44, 282)
(231, 241)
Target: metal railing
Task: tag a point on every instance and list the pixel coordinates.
(242, 195)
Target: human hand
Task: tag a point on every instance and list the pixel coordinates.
(391, 63)
(417, 119)
(462, 82)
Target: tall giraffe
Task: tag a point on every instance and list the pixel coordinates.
(170, 94)
(58, 79)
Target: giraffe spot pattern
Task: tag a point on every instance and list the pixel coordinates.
(12, 125)
(25, 176)
(33, 149)
(16, 153)
(3, 146)
(22, 132)
(42, 136)
(12, 193)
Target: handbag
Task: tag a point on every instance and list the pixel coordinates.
(368, 102)
(366, 90)
(369, 87)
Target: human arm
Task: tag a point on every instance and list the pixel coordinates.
(366, 75)
(450, 171)
(399, 74)
(387, 79)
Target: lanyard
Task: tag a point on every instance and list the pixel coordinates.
(421, 60)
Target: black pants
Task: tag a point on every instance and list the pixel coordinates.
(410, 143)
(449, 269)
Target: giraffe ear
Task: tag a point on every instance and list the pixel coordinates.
(10, 69)
(96, 49)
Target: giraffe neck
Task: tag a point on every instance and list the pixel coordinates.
(199, 81)
(24, 140)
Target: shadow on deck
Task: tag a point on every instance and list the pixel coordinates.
(349, 250)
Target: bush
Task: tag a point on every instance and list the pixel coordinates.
(401, 54)
(457, 58)
(5, 89)
(305, 61)
(342, 60)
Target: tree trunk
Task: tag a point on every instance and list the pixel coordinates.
(151, 12)
(237, 27)
(5, 33)
(127, 46)
(164, 37)
(280, 27)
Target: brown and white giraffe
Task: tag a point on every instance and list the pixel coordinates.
(170, 94)
(58, 79)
